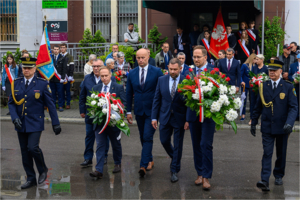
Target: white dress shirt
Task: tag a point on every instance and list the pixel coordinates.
(120, 66)
(171, 81)
(277, 82)
(64, 54)
(97, 79)
(145, 73)
(182, 66)
(28, 80)
(201, 69)
(108, 87)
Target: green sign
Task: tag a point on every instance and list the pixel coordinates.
(55, 4)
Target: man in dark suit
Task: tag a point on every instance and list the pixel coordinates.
(88, 83)
(202, 134)
(60, 63)
(181, 43)
(184, 68)
(112, 132)
(231, 68)
(169, 107)
(294, 68)
(142, 83)
(231, 37)
(151, 60)
(277, 105)
(26, 106)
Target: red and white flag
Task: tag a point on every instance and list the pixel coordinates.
(218, 39)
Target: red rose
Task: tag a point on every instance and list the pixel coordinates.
(99, 95)
(191, 70)
(227, 79)
(223, 75)
(118, 100)
(120, 72)
(251, 85)
(113, 94)
(115, 102)
(256, 82)
(117, 73)
(216, 69)
(179, 90)
(118, 79)
(212, 72)
(205, 69)
(102, 95)
(188, 77)
(193, 91)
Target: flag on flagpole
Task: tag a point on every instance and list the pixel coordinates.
(218, 39)
(44, 61)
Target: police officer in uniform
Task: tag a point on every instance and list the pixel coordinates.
(26, 105)
(277, 105)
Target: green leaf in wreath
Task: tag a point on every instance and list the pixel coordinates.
(217, 120)
(234, 127)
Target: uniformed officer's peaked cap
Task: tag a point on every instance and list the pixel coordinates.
(28, 62)
(274, 64)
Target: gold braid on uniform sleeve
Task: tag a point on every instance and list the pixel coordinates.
(263, 99)
(13, 96)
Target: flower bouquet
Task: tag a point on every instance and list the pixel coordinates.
(211, 97)
(256, 80)
(108, 110)
(118, 75)
(296, 77)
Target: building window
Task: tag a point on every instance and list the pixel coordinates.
(101, 18)
(8, 12)
(127, 13)
(203, 19)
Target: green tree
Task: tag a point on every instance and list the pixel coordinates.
(127, 50)
(273, 36)
(136, 29)
(154, 37)
(98, 38)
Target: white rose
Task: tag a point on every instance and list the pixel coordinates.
(210, 84)
(113, 116)
(93, 96)
(232, 90)
(223, 98)
(104, 110)
(114, 107)
(226, 103)
(122, 124)
(195, 96)
(231, 115)
(93, 103)
(238, 103)
(215, 106)
(202, 83)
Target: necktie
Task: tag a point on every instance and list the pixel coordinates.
(142, 78)
(105, 88)
(228, 65)
(173, 90)
(27, 83)
(274, 87)
(166, 61)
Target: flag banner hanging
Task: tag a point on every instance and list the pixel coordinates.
(218, 39)
(44, 61)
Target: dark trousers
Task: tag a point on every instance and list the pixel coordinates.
(146, 136)
(245, 101)
(297, 92)
(30, 150)
(89, 142)
(253, 101)
(202, 139)
(59, 89)
(101, 140)
(67, 96)
(268, 141)
(166, 132)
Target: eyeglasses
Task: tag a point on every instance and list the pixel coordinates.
(197, 57)
(97, 66)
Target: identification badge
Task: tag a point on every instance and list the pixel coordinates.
(49, 89)
(294, 91)
(282, 95)
(37, 95)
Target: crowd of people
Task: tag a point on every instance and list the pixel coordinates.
(156, 99)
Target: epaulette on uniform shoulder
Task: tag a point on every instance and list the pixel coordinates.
(289, 82)
(41, 78)
(18, 78)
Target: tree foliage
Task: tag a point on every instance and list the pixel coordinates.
(154, 37)
(127, 50)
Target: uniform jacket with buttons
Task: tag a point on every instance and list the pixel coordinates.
(285, 107)
(31, 112)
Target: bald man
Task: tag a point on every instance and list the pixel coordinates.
(141, 83)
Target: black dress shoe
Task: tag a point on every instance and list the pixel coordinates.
(28, 184)
(42, 177)
(96, 174)
(117, 169)
(263, 185)
(105, 161)
(174, 177)
(87, 163)
(278, 181)
(8, 113)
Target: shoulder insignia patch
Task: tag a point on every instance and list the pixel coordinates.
(294, 91)
(41, 78)
(288, 81)
(49, 89)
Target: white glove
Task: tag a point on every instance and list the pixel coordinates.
(62, 80)
(3, 88)
(70, 78)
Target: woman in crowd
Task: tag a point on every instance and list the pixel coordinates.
(242, 48)
(257, 69)
(10, 73)
(245, 78)
(243, 27)
(206, 42)
(122, 66)
(110, 63)
(88, 69)
(253, 36)
(221, 54)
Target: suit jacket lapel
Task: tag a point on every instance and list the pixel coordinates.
(167, 84)
(278, 89)
(112, 88)
(176, 92)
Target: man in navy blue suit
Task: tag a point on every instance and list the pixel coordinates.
(169, 107)
(112, 132)
(231, 68)
(294, 68)
(142, 83)
(202, 134)
(26, 106)
(277, 105)
(88, 83)
(184, 67)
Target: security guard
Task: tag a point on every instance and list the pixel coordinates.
(26, 105)
(277, 105)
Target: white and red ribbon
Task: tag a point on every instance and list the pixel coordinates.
(201, 97)
(239, 33)
(243, 46)
(258, 79)
(107, 99)
(251, 34)
(213, 81)
(8, 72)
(206, 45)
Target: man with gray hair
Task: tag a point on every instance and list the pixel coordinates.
(184, 67)
(123, 67)
(88, 66)
(110, 63)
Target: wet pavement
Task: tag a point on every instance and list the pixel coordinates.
(237, 164)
